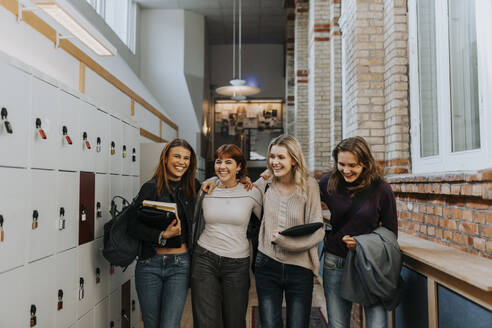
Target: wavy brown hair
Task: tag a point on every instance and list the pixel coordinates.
(234, 152)
(161, 174)
(370, 172)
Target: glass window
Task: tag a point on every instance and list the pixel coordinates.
(429, 144)
(465, 124)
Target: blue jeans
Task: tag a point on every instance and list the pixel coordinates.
(273, 278)
(337, 308)
(162, 285)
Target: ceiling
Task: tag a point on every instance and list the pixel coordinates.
(263, 21)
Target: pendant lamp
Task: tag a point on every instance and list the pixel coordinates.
(238, 90)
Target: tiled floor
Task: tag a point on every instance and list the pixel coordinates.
(318, 300)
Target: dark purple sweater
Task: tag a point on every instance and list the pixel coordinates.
(380, 207)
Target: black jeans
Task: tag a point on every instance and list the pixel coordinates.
(219, 290)
(273, 278)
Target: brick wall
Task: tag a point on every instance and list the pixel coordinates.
(335, 76)
(453, 209)
(397, 123)
(290, 76)
(302, 74)
(319, 86)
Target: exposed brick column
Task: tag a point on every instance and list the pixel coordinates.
(319, 86)
(290, 76)
(335, 76)
(302, 74)
(396, 87)
(362, 27)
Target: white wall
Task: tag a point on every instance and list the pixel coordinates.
(20, 41)
(262, 66)
(172, 65)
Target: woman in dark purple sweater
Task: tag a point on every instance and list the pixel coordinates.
(355, 170)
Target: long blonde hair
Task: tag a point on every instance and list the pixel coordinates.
(299, 170)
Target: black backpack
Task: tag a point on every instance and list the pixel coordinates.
(120, 249)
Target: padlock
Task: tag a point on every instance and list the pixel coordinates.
(2, 235)
(40, 130)
(87, 145)
(98, 275)
(134, 155)
(124, 151)
(98, 210)
(98, 144)
(83, 214)
(65, 134)
(81, 288)
(35, 216)
(60, 299)
(33, 316)
(7, 124)
(113, 148)
(124, 315)
(61, 221)
(111, 269)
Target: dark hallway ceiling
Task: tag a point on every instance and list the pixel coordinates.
(263, 20)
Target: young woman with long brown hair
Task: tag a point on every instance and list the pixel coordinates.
(163, 268)
(355, 170)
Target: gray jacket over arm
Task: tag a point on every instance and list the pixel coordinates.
(372, 273)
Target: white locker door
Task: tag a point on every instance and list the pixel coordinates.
(136, 185)
(87, 137)
(86, 279)
(102, 146)
(42, 221)
(66, 287)
(42, 292)
(14, 311)
(135, 158)
(102, 203)
(13, 209)
(116, 145)
(127, 186)
(43, 125)
(127, 156)
(102, 272)
(116, 278)
(15, 91)
(68, 132)
(101, 314)
(115, 307)
(135, 306)
(87, 321)
(117, 189)
(67, 215)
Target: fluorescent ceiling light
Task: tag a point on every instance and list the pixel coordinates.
(65, 15)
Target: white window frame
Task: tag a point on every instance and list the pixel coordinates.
(131, 35)
(447, 160)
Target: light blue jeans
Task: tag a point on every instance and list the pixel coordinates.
(162, 285)
(337, 308)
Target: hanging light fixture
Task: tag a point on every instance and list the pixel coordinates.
(238, 90)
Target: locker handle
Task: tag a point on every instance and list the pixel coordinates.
(4, 113)
(133, 305)
(111, 324)
(65, 134)
(134, 155)
(1, 229)
(113, 146)
(124, 151)
(40, 130)
(62, 211)
(35, 214)
(33, 309)
(1, 220)
(83, 213)
(61, 221)
(60, 294)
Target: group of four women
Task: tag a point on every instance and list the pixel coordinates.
(211, 229)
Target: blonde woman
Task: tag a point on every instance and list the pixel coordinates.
(287, 264)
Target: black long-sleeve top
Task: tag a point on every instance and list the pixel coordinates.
(379, 208)
(148, 231)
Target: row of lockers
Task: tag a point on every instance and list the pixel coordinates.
(46, 127)
(74, 288)
(43, 212)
